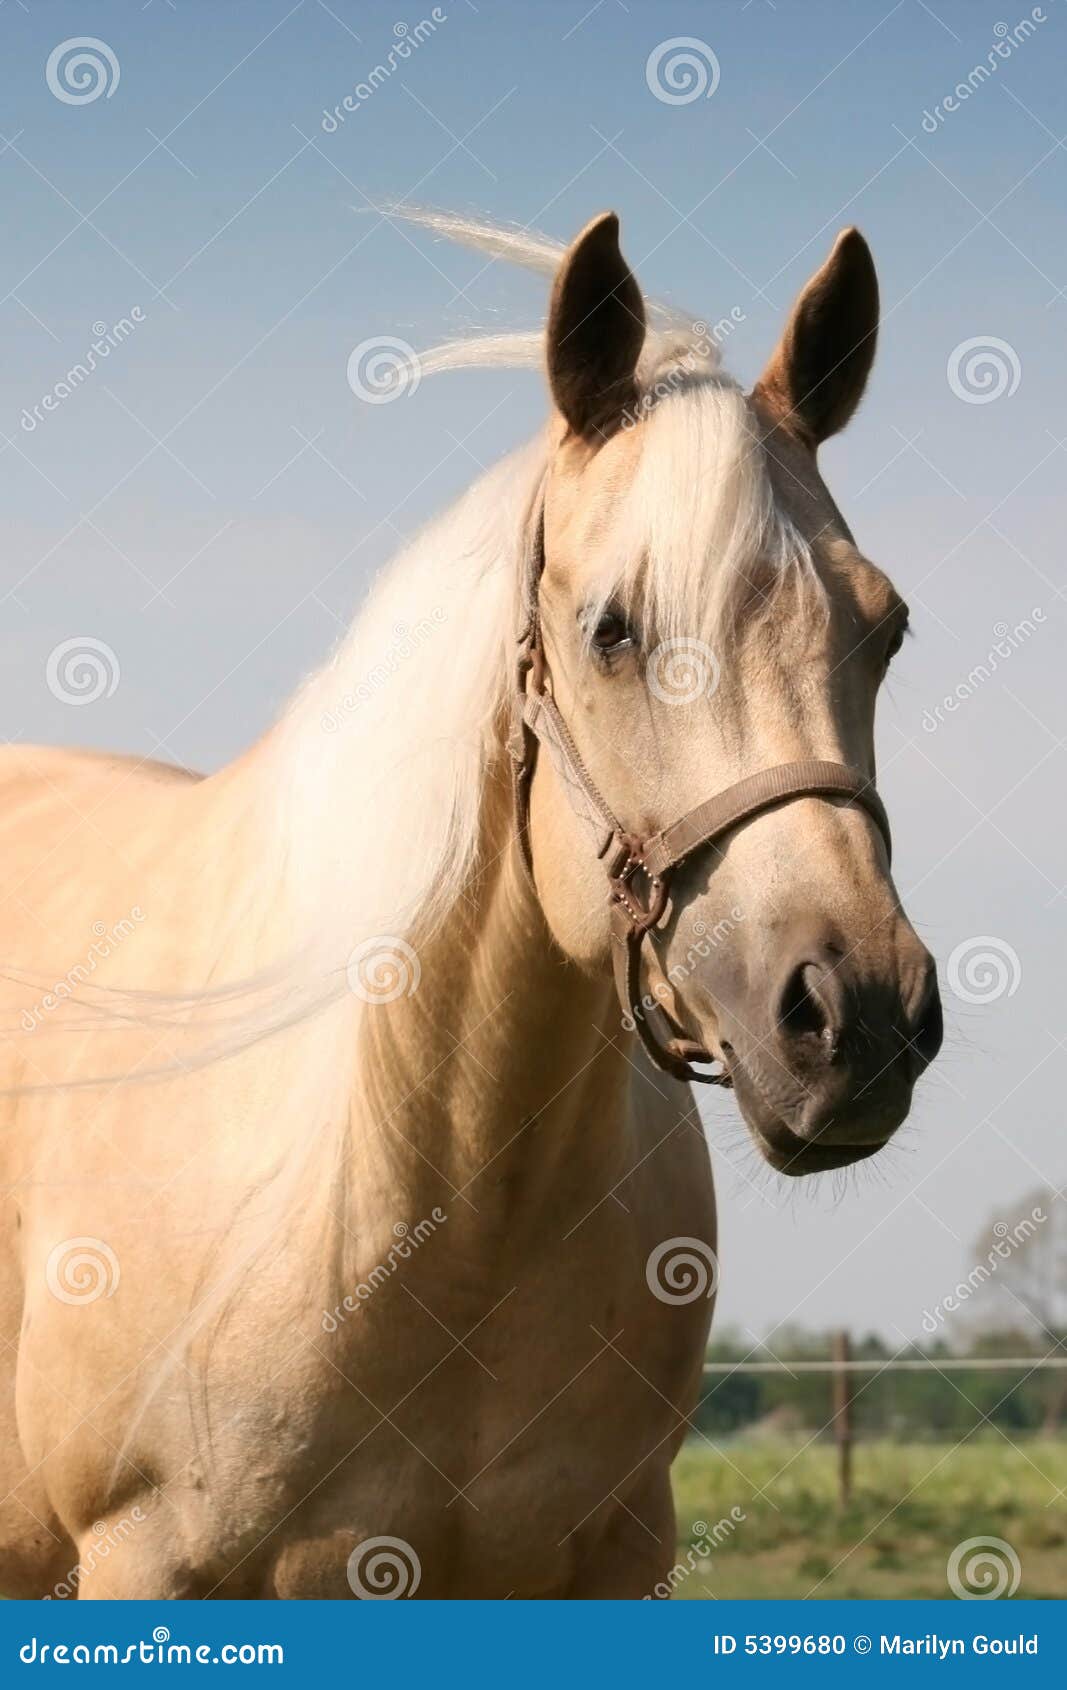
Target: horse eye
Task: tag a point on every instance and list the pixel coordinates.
(611, 632)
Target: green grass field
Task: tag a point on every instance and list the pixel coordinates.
(911, 1505)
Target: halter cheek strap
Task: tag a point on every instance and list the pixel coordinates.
(638, 868)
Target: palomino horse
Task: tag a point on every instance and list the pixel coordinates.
(352, 1243)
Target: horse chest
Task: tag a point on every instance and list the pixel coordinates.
(496, 1434)
(498, 1485)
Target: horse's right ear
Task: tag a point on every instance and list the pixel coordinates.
(596, 329)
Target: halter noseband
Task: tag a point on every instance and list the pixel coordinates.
(639, 867)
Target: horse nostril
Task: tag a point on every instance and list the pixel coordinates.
(802, 1011)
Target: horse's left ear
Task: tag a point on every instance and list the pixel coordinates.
(596, 329)
(818, 372)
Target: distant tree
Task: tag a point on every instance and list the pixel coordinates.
(1018, 1285)
(1019, 1274)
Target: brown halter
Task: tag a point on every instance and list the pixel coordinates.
(639, 868)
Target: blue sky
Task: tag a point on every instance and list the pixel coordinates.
(213, 500)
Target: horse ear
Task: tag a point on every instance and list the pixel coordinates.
(596, 329)
(817, 374)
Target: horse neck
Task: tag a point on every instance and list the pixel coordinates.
(488, 1067)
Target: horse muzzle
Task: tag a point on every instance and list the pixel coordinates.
(825, 1065)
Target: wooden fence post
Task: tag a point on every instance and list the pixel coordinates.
(842, 1388)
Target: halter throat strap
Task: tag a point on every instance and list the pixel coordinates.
(639, 868)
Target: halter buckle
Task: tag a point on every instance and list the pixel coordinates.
(639, 892)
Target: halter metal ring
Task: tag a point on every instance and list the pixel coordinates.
(640, 893)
